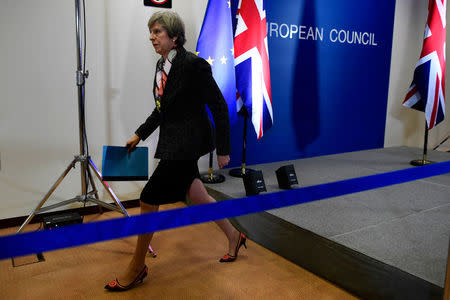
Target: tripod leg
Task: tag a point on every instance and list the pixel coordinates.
(116, 200)
(52, 189)
(108, 188)
(100, 208)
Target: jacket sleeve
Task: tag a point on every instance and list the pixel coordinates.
(211, 95)
(150, 125)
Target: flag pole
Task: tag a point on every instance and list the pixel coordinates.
(240, 172)
(211, 177)
(423, 161)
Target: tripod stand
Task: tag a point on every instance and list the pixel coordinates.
(84, 158)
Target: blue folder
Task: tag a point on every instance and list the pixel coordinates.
(120, 165)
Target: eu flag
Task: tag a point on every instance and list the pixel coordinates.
(215, 45)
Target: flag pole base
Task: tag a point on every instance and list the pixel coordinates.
(239, 172)
(212, 178)
(421, 162)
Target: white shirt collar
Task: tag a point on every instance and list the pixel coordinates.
(171, 55)
(169, 60)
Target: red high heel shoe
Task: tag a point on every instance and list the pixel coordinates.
(228, 257)
(115, 286)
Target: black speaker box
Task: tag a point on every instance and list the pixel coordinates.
(254, 183)
(286, 176)
(60, 220)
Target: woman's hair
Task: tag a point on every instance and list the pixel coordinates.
(172, 23)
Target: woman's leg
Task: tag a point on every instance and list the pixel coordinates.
(138, 261)
(198, 195)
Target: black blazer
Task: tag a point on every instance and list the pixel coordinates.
(185, 131)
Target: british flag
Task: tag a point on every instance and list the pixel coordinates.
(427, 91)
(252, 64)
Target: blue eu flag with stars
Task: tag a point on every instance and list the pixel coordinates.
(215, 45)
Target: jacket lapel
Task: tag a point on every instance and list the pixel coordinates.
(173, 79)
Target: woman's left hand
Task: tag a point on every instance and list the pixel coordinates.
(223, 160)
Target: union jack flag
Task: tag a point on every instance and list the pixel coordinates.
(427, 91)
(252, 64)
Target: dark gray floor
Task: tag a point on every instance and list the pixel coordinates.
(406, 226)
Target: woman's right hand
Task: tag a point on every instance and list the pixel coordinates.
(131, 143)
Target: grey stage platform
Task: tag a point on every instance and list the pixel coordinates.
(374, 243)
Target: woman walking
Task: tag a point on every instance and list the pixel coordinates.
(183, 84)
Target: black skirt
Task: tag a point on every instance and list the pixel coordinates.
(170, 182)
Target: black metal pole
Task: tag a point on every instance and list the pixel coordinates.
(425, 144)
(80, 78)
(441, 143)
(210, 163)
(244, 143)
(240, 172)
